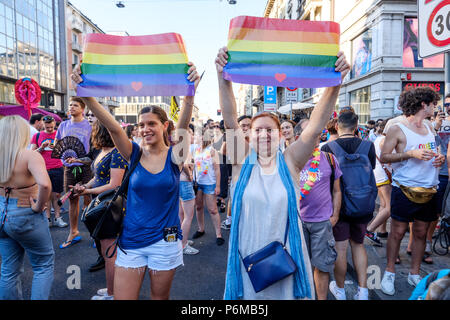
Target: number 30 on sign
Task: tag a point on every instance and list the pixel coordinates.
(434, 27)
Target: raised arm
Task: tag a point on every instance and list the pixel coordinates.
(300, 151)
(118, 136)
(181, 149)
(227, 103)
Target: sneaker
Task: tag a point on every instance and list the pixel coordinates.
(59, 222)
(372, 237)
(189, 250)
(225, 226)
(414, 279)
(102, 298)
(387, 284)
(102, 292)
(98, 265)
(220, 241)
(361, 294)
(338, 293)
(198, 234)
(190, 242)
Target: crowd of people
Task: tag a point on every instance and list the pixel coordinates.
(310, 184)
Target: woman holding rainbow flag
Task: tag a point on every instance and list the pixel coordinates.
(267, 192)
(151, 236)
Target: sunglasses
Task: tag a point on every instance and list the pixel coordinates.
(88, 115)
(447, 104)
(48, 119)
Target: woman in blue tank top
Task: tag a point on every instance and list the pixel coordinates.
(151, 236)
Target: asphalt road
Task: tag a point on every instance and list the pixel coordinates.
(201, 278)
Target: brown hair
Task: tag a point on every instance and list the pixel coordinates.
(100, 137)
(410, 101)
(290, 121)
(331, 126)
(78, 99)
(162, 115)
(267, 114)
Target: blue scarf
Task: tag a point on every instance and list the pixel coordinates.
(233, 285)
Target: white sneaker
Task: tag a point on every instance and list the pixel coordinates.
(414, 279)
(338, 293)
(59, 222)
(189, 250)
(387, 284)
(102, 292)
(102, 298)
(361, 294)
(190, 242)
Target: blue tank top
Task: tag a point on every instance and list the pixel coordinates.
(152, 204)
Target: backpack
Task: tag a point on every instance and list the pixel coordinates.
(359, 189)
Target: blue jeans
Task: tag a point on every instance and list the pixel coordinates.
(24, 231)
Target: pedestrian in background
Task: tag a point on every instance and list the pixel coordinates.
(25, 188)
(109, 169)
(44, 142)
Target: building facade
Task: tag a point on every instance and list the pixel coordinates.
(33, 44)
(129, 107)
(77, 26)
(380, 41)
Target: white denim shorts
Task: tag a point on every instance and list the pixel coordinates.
(160, 256)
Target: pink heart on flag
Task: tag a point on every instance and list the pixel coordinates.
(136, 86)
(280, 77)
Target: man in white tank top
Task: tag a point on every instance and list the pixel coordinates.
(416, 163)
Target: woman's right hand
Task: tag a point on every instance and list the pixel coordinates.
(35, 206)
(221, 59)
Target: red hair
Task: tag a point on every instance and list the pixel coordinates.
(269, 115)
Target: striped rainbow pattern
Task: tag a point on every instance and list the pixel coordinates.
(282, 53)
(153, 65)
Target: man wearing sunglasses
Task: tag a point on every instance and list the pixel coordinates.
(43, 142)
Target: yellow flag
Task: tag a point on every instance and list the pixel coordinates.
(174, 109)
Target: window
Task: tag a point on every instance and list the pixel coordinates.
(74, 38)
(360, 101)
(411, 57)
(361, 54)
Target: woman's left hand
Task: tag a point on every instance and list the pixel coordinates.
(342, 65)
(217, 191)
(193, 75)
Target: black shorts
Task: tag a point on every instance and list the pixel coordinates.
(57, 178)
(74, 175)
(404, 210)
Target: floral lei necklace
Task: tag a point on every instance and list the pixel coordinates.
(312, 174)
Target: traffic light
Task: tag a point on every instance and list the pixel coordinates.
(219, 112)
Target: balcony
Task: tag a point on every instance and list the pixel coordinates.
(77, 47)
(77, 25)
(112, 103)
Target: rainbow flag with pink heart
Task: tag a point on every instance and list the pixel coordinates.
(152, 65)
(282, 53)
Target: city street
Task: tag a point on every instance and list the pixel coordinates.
(203, 275)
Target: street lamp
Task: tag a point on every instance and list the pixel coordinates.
(232, 1)
(120, 4)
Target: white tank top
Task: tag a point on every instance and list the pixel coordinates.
(263, 220)
(414, 172)
(204, 166)
(380, 175)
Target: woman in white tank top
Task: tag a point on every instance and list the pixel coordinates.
(207, 176)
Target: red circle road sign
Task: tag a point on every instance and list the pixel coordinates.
(293, 89)
(431, 37)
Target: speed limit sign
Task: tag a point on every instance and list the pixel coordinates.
(434, 27)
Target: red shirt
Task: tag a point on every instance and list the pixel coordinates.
(50, 162)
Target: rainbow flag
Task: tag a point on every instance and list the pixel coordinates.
(282, 53)
(153, 65)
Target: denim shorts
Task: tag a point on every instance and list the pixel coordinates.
(186, 191)
(207, 188)
(160, 256)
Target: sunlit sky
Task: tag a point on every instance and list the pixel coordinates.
(203, 25)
